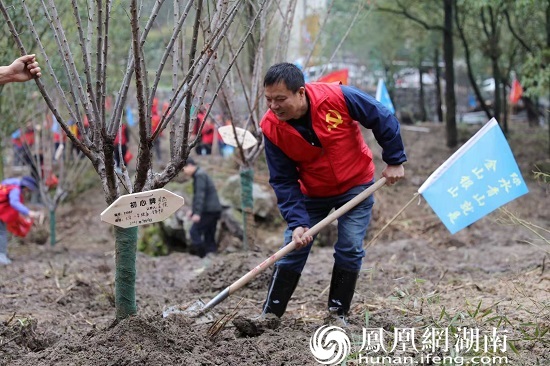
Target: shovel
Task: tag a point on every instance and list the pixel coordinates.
(199, 309)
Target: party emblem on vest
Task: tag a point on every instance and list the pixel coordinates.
(333, 118)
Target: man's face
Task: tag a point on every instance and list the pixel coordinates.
(188, 170)
(284, 103)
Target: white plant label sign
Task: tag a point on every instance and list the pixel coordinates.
(246, 138)
(142, 208)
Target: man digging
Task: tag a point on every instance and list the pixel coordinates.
(318, 161)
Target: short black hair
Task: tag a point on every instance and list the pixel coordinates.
(190, 161)
(286, 72)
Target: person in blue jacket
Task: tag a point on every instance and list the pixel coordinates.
(318, 161)
(11, 206)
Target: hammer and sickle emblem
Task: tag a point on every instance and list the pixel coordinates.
(333, 118)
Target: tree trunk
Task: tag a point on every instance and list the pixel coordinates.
(2, 148)
(247, 205)
(504, 109)
(125, 277)
(548, 46)
(52, 228)
(1, 144)
(471, 77)
(497, 111)
(448, 53)
(421, 99)
(439, 107)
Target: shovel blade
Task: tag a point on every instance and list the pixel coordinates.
(191, 310)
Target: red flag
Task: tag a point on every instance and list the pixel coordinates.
(338, 75)
(515, 92)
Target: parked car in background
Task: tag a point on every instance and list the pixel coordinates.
(410, 78)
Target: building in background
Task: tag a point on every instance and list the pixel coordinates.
(306, 25)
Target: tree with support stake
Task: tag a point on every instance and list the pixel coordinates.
(87, 49)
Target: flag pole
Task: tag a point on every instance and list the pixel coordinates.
(392, 220)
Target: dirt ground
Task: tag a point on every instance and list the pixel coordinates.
(57, 304)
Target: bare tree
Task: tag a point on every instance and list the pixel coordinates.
(86, 62)
(249, 79)
(405, 10)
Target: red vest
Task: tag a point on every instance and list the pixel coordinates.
(7, 213)
(121, 136)
(343, 162)
(155, 121)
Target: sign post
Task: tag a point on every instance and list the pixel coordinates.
(142, 208)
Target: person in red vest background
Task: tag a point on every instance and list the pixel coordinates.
(204, 147)
(318, 161)
(207, 136)
(11, 207)
(122, 138)
(155, 121)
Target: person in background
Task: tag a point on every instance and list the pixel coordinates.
(32, 156)
(21, 69)
(204, 147)
(12, 191)
(122, 138)
(318, 161)
(18, 148)
(58, 136)
(207, 137)
(155, 121)
(226, 150)
(205, 212)
(200, 117)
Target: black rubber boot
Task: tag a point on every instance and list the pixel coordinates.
(282, 286)
(342, 287)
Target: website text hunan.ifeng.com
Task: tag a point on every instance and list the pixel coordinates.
(427, 359)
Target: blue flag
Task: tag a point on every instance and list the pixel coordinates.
(130, 117)
(477, 179)
(16, 134)
(383, 96)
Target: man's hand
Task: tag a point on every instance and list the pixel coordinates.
(393, 173)
(22, 69)
(299, 238)
(34, 214)
(196, 218)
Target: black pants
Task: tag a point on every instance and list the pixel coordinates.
(118, 157)
(203, 234)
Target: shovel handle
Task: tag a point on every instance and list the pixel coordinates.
(292, 245)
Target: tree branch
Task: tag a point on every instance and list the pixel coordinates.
(515, 34)
(72, 72)
(144, 153)
(471, 77)
(94, 158)
(404, 12)
(167, 51)
(84, 48)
